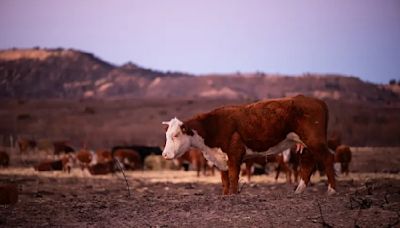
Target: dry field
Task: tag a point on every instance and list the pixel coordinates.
(368, 197)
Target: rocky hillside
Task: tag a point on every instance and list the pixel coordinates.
(67, 73)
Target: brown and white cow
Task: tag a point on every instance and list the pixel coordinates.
(84, 157)
(226, 134)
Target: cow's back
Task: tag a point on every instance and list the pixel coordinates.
(266, 123)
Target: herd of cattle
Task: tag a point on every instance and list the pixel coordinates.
(101, 161)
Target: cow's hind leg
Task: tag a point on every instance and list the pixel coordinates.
(236, 150)
(330, 171)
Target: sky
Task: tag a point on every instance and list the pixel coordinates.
(351, 37)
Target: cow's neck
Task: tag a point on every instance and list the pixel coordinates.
(213, 155)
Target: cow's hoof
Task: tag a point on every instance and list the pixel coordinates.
(331, 191)
(300, 188)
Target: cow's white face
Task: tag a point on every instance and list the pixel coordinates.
(178, 142)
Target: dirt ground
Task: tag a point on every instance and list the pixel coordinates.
(366, 198)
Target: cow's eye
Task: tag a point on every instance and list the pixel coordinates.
(176, 135)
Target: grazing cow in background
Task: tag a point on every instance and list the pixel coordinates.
(129, 158)
(343, 156)
(84, 158)
(8, 194)
(143, 151)
(195, 158)
(225, 135)
(4, 159)
(68, 161)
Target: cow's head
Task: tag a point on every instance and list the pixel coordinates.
(178, 139)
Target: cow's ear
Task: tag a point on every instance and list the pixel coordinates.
(186, 130)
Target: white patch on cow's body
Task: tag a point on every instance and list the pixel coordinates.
(331, 190)
(213, 155)
(286, 155)
(301, 187)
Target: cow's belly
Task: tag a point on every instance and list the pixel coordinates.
(261, 145)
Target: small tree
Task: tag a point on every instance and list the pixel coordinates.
(392, 82)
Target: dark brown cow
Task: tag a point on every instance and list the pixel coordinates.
(4, 159)
(226, 134)
(49, 165)
(8, 194)
(102, 168)
(343, 156)
(62, 147)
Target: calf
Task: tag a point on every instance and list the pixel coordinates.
(4, 159)
(225, 135)
(8, 194)
(343, 156)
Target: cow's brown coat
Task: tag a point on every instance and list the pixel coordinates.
(261, 125)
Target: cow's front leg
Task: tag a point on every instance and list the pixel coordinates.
(225, 182)
(236, 152)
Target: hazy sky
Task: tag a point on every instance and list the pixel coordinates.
(352, 37)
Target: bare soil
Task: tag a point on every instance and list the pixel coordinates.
(180, 199)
